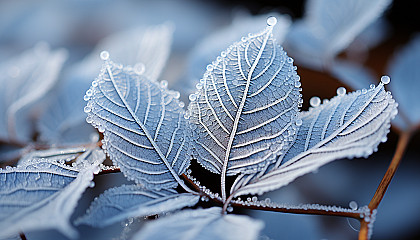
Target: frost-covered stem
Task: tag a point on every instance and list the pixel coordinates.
(22, 236)
(226, 203)
(386, 180)
(107, 171)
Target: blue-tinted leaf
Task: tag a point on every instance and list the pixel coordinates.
(209, 48)
(119, 203)
(64, 120)
(329, 27)
(352, 74)
(41, 193)
(245, 111)
(201, 224)
(24, 82)
(347, 126)
(405, 83)
(143, 125)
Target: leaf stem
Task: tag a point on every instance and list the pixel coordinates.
(22, 236)
(386, 180)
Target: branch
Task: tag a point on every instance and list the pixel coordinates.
(403, 141)
(22, 236)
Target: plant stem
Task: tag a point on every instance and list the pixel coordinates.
(386, 180)
(22, 236)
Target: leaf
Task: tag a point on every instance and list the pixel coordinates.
(405, 75)
(41, 193)
(352, 74)
(119, 203)
(328, 27)
(25, 81)
(64, 120)
(246, 107)
(210, 47)
(347, 126)
(201, 224)
(143, 125)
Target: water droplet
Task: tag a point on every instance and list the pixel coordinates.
(341, 91)
(92, 184)
(94, 83)
(372, 86)
(243, 39)
(223, 54)
(271, 21)
(87, 109)
(139, 68)
(101, 129)
(89, 92)
(298, 84)
(192, 97)
(235, 82)
(104, 55)
(163, 84)
(385, 79)
(199, 86)
(86, 98)
(89, 120)
(209, 67)
(229, 209)
(353, 205)
(315, 101)
(181, 104)
(364, 91)
(254, 199)
(290, 60)
(299, 122)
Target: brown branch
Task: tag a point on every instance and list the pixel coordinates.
(386, 180)
(107, 171)
(22, 236)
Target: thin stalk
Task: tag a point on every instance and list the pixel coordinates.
(22, 236)
(386, 180)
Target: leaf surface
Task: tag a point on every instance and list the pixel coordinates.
(328, 27)
(41, 193)
(119, 203)
(25, 81)
(246, 107)
(202, 224)
(143, 126)
(347, 126)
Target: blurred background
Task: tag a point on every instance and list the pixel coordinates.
(79, 25)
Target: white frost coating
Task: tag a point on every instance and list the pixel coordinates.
(25, 81)
(405, 75)
(119, 203)
(42, 193)
(347, 126)
(143, 126)
(201, 224)
(328, 27)
(244, 114)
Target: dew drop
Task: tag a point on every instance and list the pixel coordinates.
(353, 205)
(199, 86)
(243, 39)
(315, 101)
(385, 79)
(372, 86)
(235, 82)
(254, 199)
(181, 104)
(86, 98)
(92, 184)
(364, 91)
(101, 129)
(290, 60)
(299, 122)
(209, 67)
(192, 97)
(271, 21)
(87, 109)
(104, 55)
(94, 83)
(89, 92)
(139, 68)
(163, 84)
(229, 209)
(223, 54)
(298, 84)
(341, 91)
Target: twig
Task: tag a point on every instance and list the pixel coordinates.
(386, 180)
(22, 236)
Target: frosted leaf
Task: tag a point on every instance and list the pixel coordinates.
(25, 81)
(41, 193)
(405, 83)
(243, 23)
(64, 120)
(241, 128)
(143, 125)
(119, 203)
(347, 126)
(352, 74)
(328, 27)
(201, 224)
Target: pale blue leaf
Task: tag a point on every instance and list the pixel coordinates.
(347, 126)
(143, 125)
(405, 83)
(210, 47)
(64, 120)
(328, 27)
(245, 111)
(117, 204)
(201, 224)
(352, 74)
(25, 80)
(41, 193)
